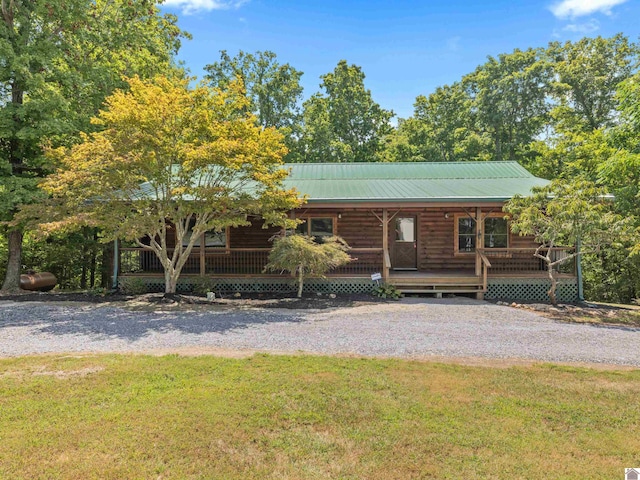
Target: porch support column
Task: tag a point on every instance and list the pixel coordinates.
(479, 245)
(578, 265)
(385, 244)
(202, 261)
(116, 257)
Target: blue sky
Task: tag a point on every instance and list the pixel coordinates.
(405, 48)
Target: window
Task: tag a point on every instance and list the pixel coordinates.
(405, 229)
(466, 234)
(496, 233)
(317, 227)
(211, 238)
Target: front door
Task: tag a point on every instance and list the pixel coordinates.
(404, 246)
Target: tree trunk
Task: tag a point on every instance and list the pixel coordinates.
(170, 282)
(83, 276)
(92, 268)
(300, 280)
(554, 283)
(14, 263)
(14, 237)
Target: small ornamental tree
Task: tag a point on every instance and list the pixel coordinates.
(564, 214)
(169, 158)
(303, 257)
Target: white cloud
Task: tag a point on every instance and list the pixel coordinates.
(583, 28)
(579, 8)
(192, 6)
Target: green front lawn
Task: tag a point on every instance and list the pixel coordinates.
(290, 417)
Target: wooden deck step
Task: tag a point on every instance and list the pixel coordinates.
(430, 281)
(440, 290)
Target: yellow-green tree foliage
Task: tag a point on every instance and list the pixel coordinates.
(169, 159)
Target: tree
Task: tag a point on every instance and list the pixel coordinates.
(273, 89)
(564, 214)
(60, 58)
(510, 101)
(303, 257)
(343, 124)
(450, 126)
(586, 75)
(169, 159)
(621, 172)
(408, 142)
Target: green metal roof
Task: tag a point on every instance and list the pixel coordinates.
(411, 182)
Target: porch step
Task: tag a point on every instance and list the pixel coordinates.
(432, 282)
(440, 290)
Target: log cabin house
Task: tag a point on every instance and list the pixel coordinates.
(425, 227)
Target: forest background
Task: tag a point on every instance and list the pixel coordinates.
(568, 112)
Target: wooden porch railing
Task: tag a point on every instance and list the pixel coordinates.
(486, 265)
(517, 261)
(238, 262)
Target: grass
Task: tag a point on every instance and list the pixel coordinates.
(306, 417)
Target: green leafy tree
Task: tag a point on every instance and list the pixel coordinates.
(169, 159)
(273, 89)
(303, 257)
(448, 116)
(621, 172)
(564, 214)
(60, 58)
(586, 76)
(572, 154)
(584, 105)
(509, 96)
(343, 124)
(408, 142)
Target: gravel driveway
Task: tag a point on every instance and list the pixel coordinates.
(411, 328)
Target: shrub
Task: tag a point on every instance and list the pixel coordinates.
(203, 285)
(387, 291)
(303, 257)
(133, 286)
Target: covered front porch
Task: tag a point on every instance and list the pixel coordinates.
(420, 249)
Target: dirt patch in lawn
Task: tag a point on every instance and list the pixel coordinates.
(158, 300)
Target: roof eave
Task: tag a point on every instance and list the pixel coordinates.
(409, 200)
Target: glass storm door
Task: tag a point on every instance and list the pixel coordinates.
(404, 246)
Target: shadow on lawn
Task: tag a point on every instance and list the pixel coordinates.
(115, 322)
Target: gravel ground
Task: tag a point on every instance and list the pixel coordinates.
(411, 328)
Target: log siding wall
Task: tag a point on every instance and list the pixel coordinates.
(362, 228)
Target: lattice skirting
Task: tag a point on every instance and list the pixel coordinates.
(271, 285)
(530, 289)
(513, 289)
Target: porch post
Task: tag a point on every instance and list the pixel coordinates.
(202, 261)
(116, 257)
(578, 265)
(479, 245)
(385, 244)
